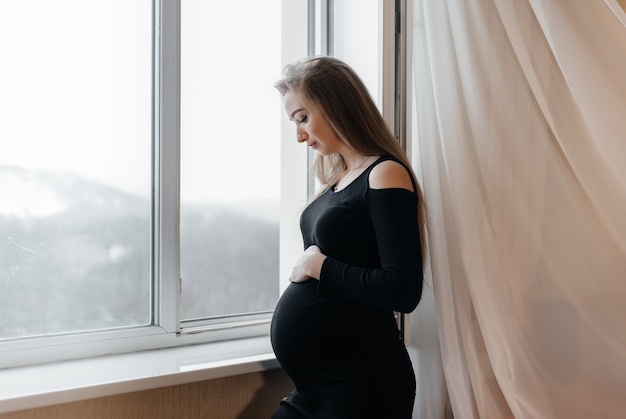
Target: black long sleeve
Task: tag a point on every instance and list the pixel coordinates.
(397, 283)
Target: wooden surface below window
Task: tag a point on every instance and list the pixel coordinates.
(249, 396)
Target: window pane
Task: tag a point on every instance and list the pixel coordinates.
(230, 147)
(356, 37)
(75, 135)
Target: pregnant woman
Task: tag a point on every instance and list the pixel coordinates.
(334, 331)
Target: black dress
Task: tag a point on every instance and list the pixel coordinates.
(337, 338)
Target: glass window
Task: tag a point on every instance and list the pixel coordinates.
(230, 156)
(90, 170)
(75, 165)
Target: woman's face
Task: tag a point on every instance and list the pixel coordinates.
(311, 126)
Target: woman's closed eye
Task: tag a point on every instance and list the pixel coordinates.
(303, 119)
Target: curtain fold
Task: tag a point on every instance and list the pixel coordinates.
(520, 116)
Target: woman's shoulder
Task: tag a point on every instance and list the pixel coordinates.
(389, 173)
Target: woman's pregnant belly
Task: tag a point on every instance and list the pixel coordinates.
(306, 327)
(310, 332)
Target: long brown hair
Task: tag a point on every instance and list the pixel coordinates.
(331, 86)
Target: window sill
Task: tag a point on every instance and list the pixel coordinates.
(62, 382)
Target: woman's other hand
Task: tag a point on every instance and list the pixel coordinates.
(308, 266)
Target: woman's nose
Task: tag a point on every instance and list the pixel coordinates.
(301, 136)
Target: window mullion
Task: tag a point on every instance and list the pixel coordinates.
(167, 165)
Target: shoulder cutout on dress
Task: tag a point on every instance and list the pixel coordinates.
(390, 174)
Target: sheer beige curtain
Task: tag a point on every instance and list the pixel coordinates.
(520, 117)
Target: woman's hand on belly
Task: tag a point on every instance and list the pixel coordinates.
(308, 266)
